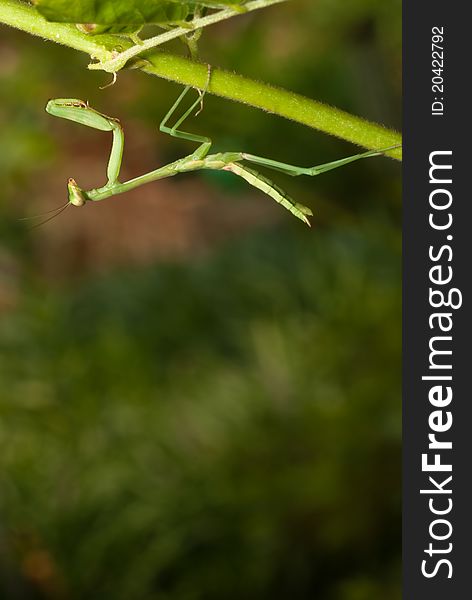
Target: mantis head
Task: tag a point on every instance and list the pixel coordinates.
(76, 196)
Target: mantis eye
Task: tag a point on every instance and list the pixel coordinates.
(76, 195)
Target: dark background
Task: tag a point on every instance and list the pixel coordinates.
(200, 396)
(424, 134)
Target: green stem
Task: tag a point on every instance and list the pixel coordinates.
(227, 85)
(276, 101)
(117, 63)
(22, 16)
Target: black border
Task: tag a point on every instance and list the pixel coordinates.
(424, 133)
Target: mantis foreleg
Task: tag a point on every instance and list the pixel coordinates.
(116, 154)
(80, 112)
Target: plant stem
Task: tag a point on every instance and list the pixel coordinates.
(227, 85)
(117, 63)
(22, 16)
(276, 101)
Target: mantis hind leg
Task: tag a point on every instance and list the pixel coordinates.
(312, 171)
(174, 131)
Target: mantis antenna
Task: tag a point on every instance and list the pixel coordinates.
(57, 211)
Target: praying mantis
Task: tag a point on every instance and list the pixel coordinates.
(234, 162)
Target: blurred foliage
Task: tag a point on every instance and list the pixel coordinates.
(124, 12)
(228, 429)
(221, 422)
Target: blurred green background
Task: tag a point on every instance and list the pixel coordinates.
(200, 396)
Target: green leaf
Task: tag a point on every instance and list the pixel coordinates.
(235, 4)
(125, 12)
(127, 29)
(113, 12)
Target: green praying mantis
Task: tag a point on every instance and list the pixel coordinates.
(234, 162)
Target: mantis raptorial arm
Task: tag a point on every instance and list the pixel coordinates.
(81, 112)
